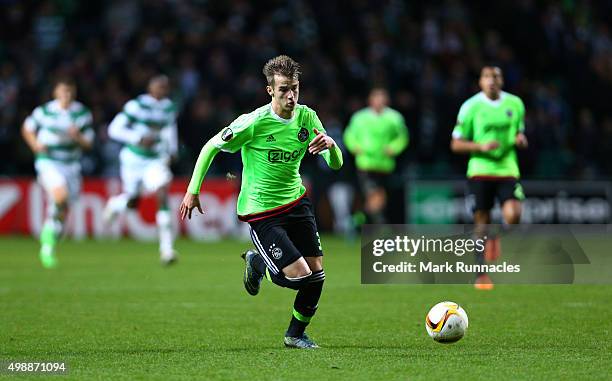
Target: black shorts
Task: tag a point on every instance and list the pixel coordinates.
(370, 181)
(282, 239)
(482, 193)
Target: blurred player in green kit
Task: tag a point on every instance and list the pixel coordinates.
(489, 128)
(376, 135)
(273, 140)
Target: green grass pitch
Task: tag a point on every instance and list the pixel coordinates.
(112, 312)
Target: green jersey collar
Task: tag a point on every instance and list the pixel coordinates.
(495, 103)
(280, 118)
(382, 112)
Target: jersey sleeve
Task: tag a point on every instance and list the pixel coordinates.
(131, 110)
(464, 128)
(207, 154)
(350, 134)
(400, 142)
(32, 122)
(119, 128)
(333, 156)
(171, 115)
(169, 133)
(83, 118)
(85, 125)
(315, 122)
(521, 116)
(236, 135)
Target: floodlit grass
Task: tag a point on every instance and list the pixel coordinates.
(112, 312)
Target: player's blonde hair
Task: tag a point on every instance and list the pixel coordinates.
(282, 65)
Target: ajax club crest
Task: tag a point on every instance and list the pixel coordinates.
(303, 134)
(276, 252)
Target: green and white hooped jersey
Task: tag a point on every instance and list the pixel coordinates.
(51, 124)
(272, 149)
(146, 116)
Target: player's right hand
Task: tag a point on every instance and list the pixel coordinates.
(147, 141)
(74, 132)
(490, 146)
(40, 148)
(190, 202)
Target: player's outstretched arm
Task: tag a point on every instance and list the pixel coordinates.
(465, 146)
(192, 198)
(327, 147)
(30, 138)
(119, 130)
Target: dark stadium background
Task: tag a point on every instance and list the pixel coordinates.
(556, 55)
(110, 311)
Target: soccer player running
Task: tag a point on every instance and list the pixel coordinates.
(273, 140)
(57, 132)
(489, 127)
(376, 135)
(147, 128)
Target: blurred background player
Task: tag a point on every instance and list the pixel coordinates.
(57, 132)
(147, 128)
(489, 127)
(273, 140)
(376, 135)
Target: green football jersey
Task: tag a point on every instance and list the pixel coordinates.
(483, 120)
(272, 149)
(373, 134)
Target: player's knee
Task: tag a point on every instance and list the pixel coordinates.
(315, 263)
(292, 283)
(376, 200)
(512, 217)
(482, 217)
(133, 202)
(60, 195)
(297, 270)
(512, 212)
(298, 274)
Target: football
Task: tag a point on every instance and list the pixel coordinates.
(446, 322)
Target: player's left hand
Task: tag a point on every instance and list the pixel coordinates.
(75, 134)
(320, 143)
(521, 141)
(190, 202)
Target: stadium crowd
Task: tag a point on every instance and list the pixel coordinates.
(556, 55)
